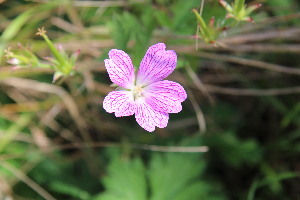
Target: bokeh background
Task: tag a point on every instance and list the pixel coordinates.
(237, 136)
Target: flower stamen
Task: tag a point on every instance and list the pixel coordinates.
(137, 92)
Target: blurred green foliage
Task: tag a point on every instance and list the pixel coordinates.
(56, 141)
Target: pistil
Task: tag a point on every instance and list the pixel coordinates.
(137, 92)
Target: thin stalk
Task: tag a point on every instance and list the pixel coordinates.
(203, 26)
(14, 130)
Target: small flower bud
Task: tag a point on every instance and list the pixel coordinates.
(77, 52)
(75, 55)
(212, 21)
(57, 76)
(249, 19)
(223, 3)
(60, 47)
(229, 16)
(13, 61)
(20, 46)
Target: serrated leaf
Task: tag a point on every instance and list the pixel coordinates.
(173, 176)
(126, 181)
(171, 173)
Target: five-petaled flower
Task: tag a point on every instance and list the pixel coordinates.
(144, 93)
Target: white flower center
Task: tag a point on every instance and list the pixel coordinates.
(137, 92)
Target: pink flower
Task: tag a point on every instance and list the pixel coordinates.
(144, 94)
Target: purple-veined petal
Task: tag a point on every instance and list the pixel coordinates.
(120, 68)
(165, 96)
(119, 102)
(148, 118)
(156, 65)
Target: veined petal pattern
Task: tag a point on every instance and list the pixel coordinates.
(156, 65)
(119, 102)
(148, 118)
(165, 96)
(120, 68)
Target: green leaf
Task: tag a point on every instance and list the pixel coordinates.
(234, 151)
(291, 116)
(14, 130)
(239, 5)
(68, 189)
(163, 18)
(268, 181)
(126, 180)
(171, 174)
(182, 11)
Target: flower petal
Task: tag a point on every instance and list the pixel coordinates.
(119, 102)
(165, 96)
(156, 65)
(120, 68)
(148, 118)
